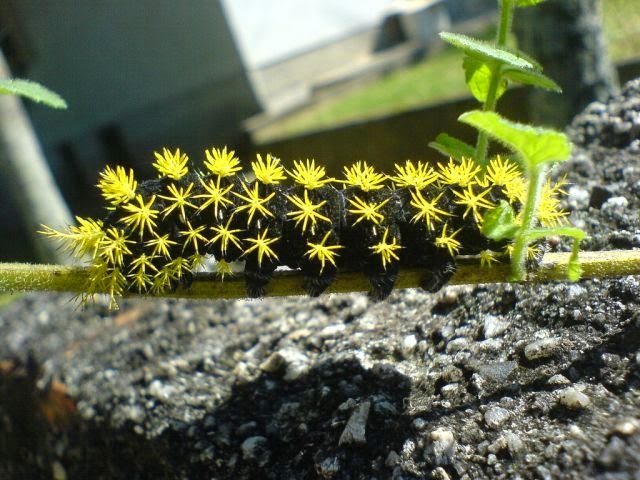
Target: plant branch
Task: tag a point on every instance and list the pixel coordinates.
(537, 176)
(20, 277)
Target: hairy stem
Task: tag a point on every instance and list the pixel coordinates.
(537, 176)
(19, 277)
(506, 16)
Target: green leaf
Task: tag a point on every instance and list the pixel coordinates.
(534, 145)
(478, 77)
(486, 51)
(33, 91)
(528, 3)
(499, 223)
(531, 77)
(452, 147)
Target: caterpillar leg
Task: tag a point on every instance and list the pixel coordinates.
(315, 285)
(256, 282)
(438, 275)
(382, 283)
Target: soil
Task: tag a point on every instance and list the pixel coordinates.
(489, 381)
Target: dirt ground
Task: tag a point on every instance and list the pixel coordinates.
(490, 381)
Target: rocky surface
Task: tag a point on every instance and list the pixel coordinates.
(614, 123)
(490, 381)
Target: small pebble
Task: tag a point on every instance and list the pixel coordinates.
(443, 446)
(627, 427)
(495, 417)
(457, 344)
(440, 474)
(292, 360)
(574, 399)
(329, 467)
(409, 344)
(493, 326)
(543, 348)
(615, 204)
(496, 371)
(255, 449)
(558, 381)
(354, 431)
(392, 459)
(514, 443)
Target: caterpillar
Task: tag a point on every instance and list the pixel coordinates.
(158, 232)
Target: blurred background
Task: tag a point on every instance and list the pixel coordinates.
(335, 80)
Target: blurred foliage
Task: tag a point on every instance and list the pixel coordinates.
(433, 80)
(621, 20)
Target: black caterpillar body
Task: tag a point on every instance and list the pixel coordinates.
(157, 233)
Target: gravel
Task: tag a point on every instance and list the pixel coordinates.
(486, 381)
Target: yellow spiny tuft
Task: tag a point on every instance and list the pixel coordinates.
(268, 170)
(550, 213)
(223, 268)
(162, 280)
(448, 241)
(224, 235)
(113, 246)
(363, 176)
(139, 272)
(533, 251)
(308, 175)
(261, 245)
(307, 211)
(172, 165)
(79, 240)
(387, 251)
(215, 196)
(488, 258)
(324, 253)
(197, 261)
(141, 216)
(161, 246)
(178, 199)
(458, 173)
(474, 202)
(178, 267)
(254, 202)
(117, 186)
(418, 176)
(427, 210)
(516, 190)
(114, 282)
(103, 278)
(501, 172)
(367, 210)
(222, 163)
(193, 236)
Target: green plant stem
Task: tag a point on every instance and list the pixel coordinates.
(537, 176)
(506, 16)
(19, 277)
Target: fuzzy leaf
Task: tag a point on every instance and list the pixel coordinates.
(452, 147)
(478, 77)
(486, 51)
(531, 77)
(528, 3)
(33, 91)
(534, 145)
(499, 223)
